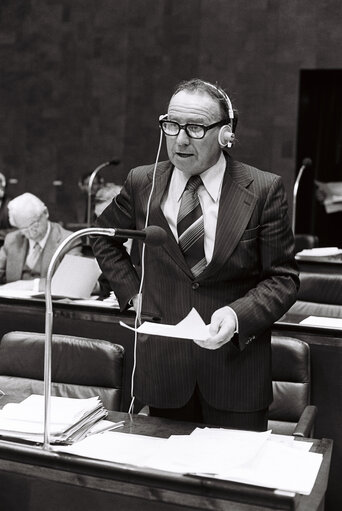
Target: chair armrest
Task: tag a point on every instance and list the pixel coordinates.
(306, 422)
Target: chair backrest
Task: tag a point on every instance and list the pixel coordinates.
(303, 241)
(320, 288)
(80, 367)
(291, 383)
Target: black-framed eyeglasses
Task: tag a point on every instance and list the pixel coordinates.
(172, 128)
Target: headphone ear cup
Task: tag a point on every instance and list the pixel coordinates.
(225, 136)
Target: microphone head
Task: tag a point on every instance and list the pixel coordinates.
(155, 235)
(307, 162)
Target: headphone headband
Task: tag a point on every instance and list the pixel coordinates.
(225, 96)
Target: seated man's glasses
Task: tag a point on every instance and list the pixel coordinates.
(172, 128)
(32, 226)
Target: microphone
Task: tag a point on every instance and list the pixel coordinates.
(151, 235)
(306, 163)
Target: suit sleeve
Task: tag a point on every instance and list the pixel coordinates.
(279, 282)
(110, 253)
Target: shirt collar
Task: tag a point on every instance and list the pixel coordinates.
(212, 179)
(43, 241)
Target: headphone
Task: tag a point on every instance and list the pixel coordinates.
(226, 136)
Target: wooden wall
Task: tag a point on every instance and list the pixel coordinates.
(83, 81)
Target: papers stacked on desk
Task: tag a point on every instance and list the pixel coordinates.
(70, 419)
(314, 254)
(331, 194)
(260, 459)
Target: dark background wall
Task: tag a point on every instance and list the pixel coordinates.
(83, 81)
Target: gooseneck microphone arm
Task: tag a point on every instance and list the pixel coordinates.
(152, 235)
(306, 163)
(49, 319)
(90, 185)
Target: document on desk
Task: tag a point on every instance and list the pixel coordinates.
(70, 418)
(191, 327)
(17, 289)
(322, 321)
(318, 252)
(240, 456)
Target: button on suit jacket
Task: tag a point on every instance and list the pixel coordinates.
(252, 270)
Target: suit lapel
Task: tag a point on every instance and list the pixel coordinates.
(18, 261)
(236, 207)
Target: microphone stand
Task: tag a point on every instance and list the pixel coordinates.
(49, 319)
(90, 185)
(306, 163)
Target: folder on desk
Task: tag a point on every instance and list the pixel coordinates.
(75, 277)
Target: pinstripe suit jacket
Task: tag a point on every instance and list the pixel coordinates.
(252, 270)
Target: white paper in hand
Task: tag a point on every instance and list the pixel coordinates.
(191, 327)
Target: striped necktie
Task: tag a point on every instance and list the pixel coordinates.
(34, 255)
(190, 227)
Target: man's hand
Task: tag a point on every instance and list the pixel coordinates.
(222, 328)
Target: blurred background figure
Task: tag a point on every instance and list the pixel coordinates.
(4, 221)
(27, 251)
(104, 196)
(82, 199)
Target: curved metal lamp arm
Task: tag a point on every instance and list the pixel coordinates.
(294, 203)
(49, 319)
(90, 185)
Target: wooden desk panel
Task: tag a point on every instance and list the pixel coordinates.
(37, 480)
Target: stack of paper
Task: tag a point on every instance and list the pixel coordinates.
(330, 194)
(70, 419)
(319, 252)
(260, 459)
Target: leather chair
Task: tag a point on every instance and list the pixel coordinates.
(80, 367)
(290, 412)
(320, 294)
(303, 241)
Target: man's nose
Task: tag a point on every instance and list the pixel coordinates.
(182, 137)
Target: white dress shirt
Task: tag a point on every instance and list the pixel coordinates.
(209, 196)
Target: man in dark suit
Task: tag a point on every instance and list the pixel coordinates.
(234, 263)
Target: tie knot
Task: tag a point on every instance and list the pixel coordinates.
(193, 183)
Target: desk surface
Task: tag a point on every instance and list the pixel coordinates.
(292, 322)
(137, 488)
(319, 265)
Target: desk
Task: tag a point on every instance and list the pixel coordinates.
(36, 480)
(93, 322)
(326, 390)
(319, 265)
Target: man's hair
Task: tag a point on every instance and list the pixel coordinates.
(214, 91)
(26, 204)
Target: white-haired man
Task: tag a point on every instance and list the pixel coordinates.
(27, 251)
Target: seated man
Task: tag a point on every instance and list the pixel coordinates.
(27, 252)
